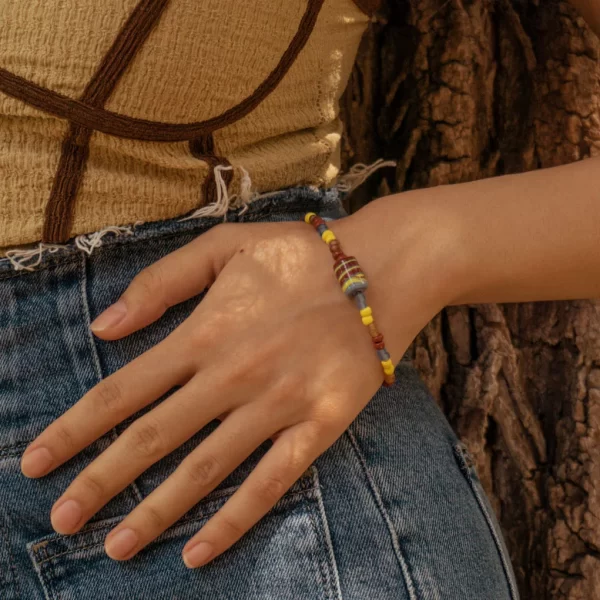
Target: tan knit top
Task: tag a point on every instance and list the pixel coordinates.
(118, 111)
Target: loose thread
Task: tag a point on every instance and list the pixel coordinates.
(220, 206)
(19, 258)
(224, 202)
(360, 172)
(29, 259)
(90, 241)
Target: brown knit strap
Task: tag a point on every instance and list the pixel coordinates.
(368, 6)
(97, 118)
(58, 217)
(203, 148)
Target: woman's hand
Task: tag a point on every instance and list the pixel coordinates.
(274, 351)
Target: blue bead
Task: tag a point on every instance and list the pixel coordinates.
(360, 300)
(356, 287)
(383, 355)
(322, 229)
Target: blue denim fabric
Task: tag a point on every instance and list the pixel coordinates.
(394, 510)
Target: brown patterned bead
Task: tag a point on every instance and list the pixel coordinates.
(316, 221)
(380, 345)
(377, 339)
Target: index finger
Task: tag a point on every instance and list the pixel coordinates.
(115, 398)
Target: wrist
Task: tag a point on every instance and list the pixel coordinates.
(412, 258)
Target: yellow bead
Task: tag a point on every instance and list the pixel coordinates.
(328, 236)
(308, 216)
(366, 312)
(388, 370)
(367, 321)
(387, 363)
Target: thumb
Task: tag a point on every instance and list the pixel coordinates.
(177, 277)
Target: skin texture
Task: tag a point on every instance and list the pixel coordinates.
(252, 354)
(536, 237)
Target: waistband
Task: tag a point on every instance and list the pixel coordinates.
(277, 206)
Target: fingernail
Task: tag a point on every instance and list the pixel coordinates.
(113, 315)
(121, 544)
(197, 555)
(66, 517)
(36, 463)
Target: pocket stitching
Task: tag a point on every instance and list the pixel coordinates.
(84, 305)
(461, 452)
(410, 587)
(13, 450)
(335, 585)
(11, 561)
(94, 527)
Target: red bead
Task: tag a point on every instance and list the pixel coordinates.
(338, 255)
(378, 339)
(380, 345)
(389, 380)
(317, 221)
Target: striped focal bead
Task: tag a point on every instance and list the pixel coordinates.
(350, 275)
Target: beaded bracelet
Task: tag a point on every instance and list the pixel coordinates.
(353, 283)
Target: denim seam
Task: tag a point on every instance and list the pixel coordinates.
(410, 588)
(319, 568)
(11, 561)
(44, 577)
(328, 542)
(132, 487)
(459, 452)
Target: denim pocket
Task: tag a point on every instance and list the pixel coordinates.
(467, 467)
(287, 555)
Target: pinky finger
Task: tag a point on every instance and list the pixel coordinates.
(286, 461)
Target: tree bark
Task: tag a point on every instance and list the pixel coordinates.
(457, 90)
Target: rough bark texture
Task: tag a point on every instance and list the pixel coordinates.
(457, 90)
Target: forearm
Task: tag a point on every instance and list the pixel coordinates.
(527, 237)
(590, 11)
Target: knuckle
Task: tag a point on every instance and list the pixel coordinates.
(232, 529)
(253, 366)
(92, 484)
(148, 280)
(286, 392)
(271, 489)
(146, 439)
(154, 518)
(290, 385)
(202, 472)
(108, 397)
(65, 437)
(149, 283)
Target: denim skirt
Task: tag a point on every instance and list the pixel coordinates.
(393, 510)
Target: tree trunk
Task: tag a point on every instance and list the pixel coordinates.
(459, 90)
